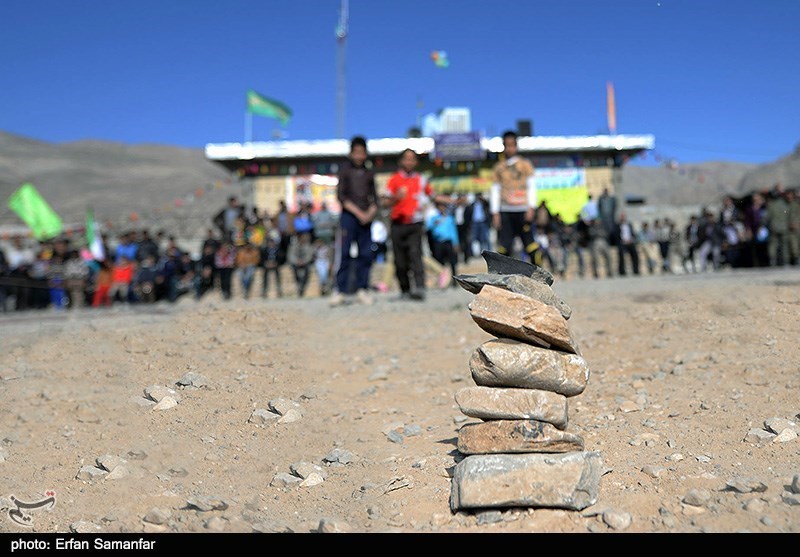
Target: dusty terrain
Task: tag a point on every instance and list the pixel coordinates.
(682, 369)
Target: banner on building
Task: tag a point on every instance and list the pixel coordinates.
(564, 191)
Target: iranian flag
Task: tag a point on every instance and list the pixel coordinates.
(94, 240)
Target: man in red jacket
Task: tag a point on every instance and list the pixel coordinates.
(407, 195)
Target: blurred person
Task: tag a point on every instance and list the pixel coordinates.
(272, 258)
(206, 273)
(187, 274)
(167, 273)
(37, 274)
(599, 248)
(444, 235)
(302, 221)
(324, 224)
(121, 278)
(692, 238)
(678, 248)
(710, 240)
(477, 215)
(793, 233)
(211, 240)
(407, 196)
(56, 277)
(225, 219)
(755, 222)
(144, 281)
(147, 247)
(379, 236)
(284, 224)
(358, 197)
(513, 201)
(568, 244)
(247, 259)
(625, 239)
(662, 231)
(322, 265)
(733, 234)
(543, 218)
(542, 239)
(462, 225)
(300, 257)
(76, 277)
(20, 258)
(582, 241)
(127, 248)
(607, 213)
(777, 222)
(4, 280)
(649, 248)
(729, 212)
(225, 263)
(590, 211)
(102, 284)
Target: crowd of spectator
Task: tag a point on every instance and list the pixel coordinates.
(254, 253)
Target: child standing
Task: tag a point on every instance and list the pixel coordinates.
(102, 285)
(121, 279)
(444, 237)
(322, 263)
(301, 256)
(271, 261)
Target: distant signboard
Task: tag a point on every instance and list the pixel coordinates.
(458, 147)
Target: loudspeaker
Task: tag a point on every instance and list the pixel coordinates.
(524, 128)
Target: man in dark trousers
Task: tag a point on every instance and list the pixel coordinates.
(607, 211)
(359, 200)
(625, 239)
(477, 216)
(513, 201)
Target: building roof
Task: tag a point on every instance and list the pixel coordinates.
(328, 148)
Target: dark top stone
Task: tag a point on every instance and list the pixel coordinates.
(504, 265)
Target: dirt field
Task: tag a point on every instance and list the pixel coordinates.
(686, 372)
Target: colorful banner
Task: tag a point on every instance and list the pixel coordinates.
(563, 190)
(315, 189)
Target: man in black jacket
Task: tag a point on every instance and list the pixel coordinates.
(359, 199)
(625, 239)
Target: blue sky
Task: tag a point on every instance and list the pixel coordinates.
(710, 79)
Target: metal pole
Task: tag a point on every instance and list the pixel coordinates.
(341, 93)
(248, 126)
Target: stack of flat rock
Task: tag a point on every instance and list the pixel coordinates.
(521, 454)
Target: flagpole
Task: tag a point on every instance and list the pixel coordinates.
(248, 126)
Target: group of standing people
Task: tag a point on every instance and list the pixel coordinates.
(253, 244)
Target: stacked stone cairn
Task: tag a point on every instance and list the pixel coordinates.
(521, 454)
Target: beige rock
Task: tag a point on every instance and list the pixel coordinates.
(511, 363)
(509, 315)
(568, 481)
(516, 436)
(488, 403)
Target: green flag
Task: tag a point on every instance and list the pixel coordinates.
(34, 211)
(263, 106)
(93, 238)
